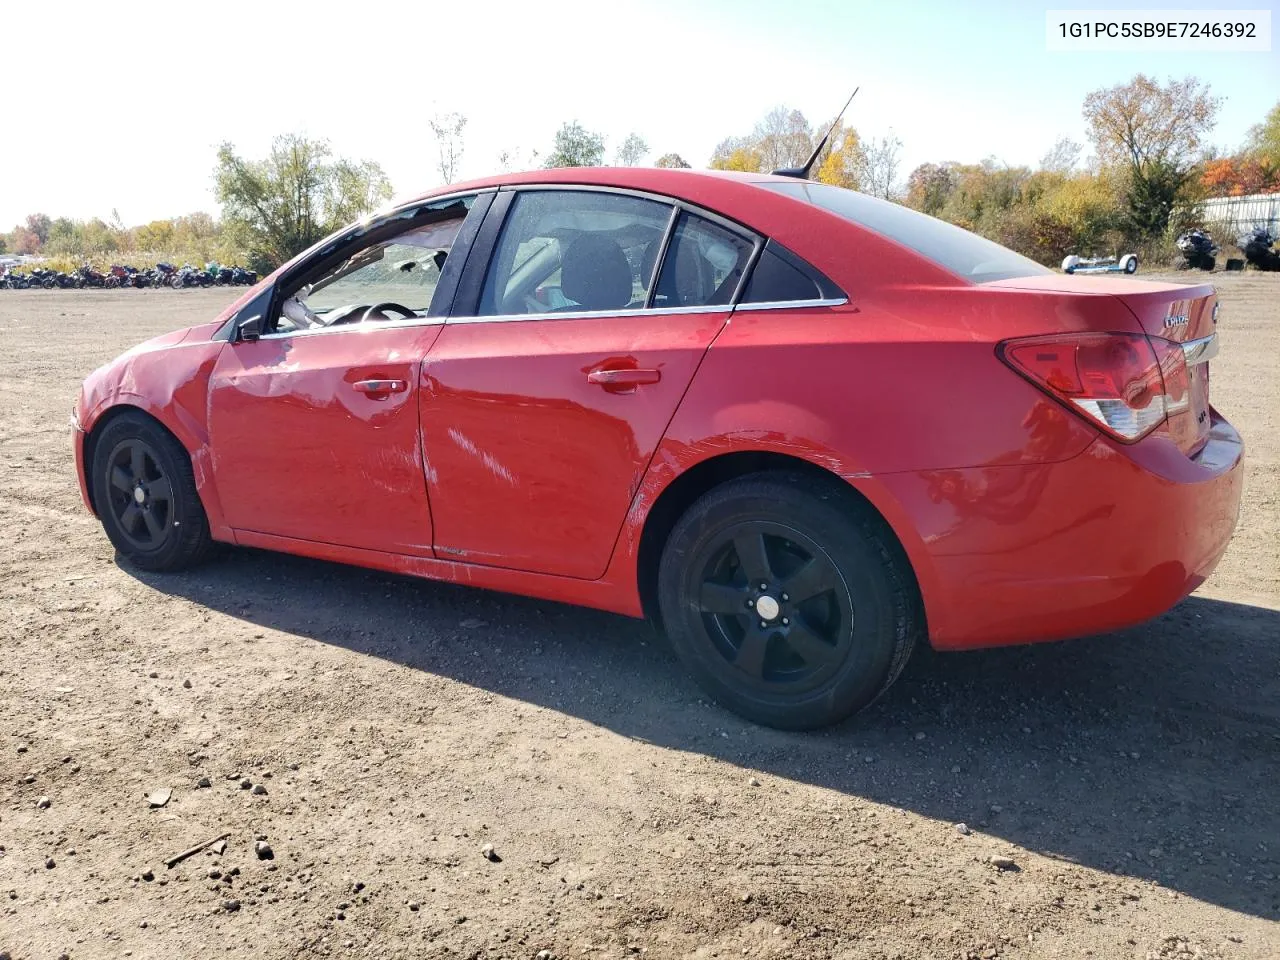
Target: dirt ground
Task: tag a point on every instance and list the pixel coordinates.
(398, 726)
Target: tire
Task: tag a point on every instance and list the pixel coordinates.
(1129, 263)
(145, 495)
(805, 662)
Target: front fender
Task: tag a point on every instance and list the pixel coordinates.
(170, 382)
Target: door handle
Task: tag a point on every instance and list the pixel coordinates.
(375, 387)
(627, 377)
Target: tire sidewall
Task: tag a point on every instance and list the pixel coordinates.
(127, 427)
(829, 523)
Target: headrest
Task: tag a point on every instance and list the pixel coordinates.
(594, 273)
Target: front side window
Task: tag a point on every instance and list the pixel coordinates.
(391, 279)
(564, 251)
(703, 265)
(965, 254)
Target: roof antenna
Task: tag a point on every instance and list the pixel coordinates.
(802, 173)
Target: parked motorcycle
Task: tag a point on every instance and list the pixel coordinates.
(1257, 247)
(124, 275)
(1197, 249)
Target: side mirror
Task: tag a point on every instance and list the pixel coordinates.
(248, 330)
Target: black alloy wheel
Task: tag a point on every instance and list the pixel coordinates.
(788, 598)
(141, 495)
(144, 492)
(776, 607)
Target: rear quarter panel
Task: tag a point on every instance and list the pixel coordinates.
(900, 393)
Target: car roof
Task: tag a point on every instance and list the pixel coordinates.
(664, 180)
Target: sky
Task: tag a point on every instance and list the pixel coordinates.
(124, 110)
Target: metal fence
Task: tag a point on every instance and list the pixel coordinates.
(1233, 215)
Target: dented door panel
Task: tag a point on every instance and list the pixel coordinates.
(304, 448)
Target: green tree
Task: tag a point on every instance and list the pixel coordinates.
(632, 151)
(1156, 134)
(671, 161)
(1264, 139)
(279, 206)
(576, 146)
(930, 186)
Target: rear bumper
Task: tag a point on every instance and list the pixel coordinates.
(1110, 538)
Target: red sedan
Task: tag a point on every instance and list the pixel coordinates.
(800, 427)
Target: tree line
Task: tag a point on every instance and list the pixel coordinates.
(1149, 167)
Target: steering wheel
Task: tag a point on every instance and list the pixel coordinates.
(388, 305)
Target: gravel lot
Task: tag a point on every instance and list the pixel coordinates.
(377, 732)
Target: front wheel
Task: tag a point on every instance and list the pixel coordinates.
(789, 601)
(145, 495)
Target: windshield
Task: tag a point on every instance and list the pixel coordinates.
(965, 254)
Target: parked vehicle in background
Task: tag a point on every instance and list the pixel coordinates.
(1126, 264)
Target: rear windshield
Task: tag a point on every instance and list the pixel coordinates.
(965, 254)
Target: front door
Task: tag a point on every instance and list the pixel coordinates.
(314, 426)
(541, 412)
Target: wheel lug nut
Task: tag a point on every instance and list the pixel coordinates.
(786, 622)
(749, 603)
(785, 597)
(763, 625)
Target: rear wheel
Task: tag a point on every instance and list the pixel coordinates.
(788, 600)
(145, 495)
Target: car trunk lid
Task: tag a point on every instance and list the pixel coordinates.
(1181, 322)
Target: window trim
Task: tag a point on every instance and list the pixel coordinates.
(500, 210)
(354, 237)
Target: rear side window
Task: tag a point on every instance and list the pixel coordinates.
(567, 251)
(774, 280)
(703, 266)
(965, 254)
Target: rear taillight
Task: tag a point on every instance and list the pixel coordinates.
(1125, 383)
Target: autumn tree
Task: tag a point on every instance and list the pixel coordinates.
(24, 241)
(842, 161)
(633, 150)
(576, 146)
(782, 138)
(672, 161)
(39, 224)
(279, 206)
(929, 187)
(447, 129)
(1155, 133)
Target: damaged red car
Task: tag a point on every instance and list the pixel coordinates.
(801, 428)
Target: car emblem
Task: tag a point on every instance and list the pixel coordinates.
(1176, 320)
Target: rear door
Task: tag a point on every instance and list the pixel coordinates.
(548, 391)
